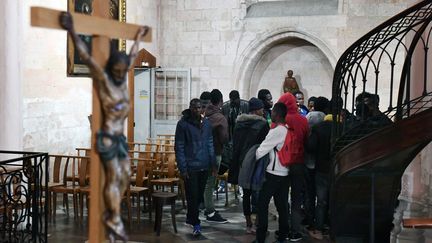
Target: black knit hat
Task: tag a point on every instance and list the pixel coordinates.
(255, 104)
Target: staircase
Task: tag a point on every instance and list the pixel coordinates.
(370, 155)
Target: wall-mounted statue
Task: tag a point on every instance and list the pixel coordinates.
(111, 143)
(290, 83)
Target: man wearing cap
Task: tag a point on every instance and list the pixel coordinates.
(250, 129)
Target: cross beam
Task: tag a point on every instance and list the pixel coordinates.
(100, 29)
(86, 24)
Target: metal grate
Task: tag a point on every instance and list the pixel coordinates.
(23, 196)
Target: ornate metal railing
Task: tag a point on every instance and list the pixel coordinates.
(23, 202)
(393, 54)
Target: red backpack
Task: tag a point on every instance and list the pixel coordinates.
(292, 150)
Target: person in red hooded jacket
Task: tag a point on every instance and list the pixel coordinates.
(296, 177)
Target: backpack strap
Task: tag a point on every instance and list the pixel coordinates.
(274, 159)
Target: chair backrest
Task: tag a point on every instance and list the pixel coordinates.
(144, 169)
(57, 168)
(60, 168)
(84, 171)
(63, 168)
(169, 147)
(83, 151)
(131, 145)
(171, 165)
(145, 154)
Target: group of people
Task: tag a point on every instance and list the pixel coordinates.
(212, 134)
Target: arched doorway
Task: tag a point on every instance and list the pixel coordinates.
(265, 63)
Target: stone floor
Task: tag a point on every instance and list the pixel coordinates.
(66, 229)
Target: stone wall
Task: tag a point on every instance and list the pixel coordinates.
(223, 45)
(312, 69)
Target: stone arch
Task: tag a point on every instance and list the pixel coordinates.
(250, 57)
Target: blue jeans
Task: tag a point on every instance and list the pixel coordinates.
(322, 192)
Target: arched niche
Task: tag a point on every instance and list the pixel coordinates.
(266, 60)
(311, 67)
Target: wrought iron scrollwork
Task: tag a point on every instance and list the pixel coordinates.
(381, 61)
(23, 207)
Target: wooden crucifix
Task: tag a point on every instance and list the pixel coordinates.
(110, 108)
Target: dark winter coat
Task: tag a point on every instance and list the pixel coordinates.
(319, 145)
(231, 113)
(219, 126)
(194, 144)
(249, 130)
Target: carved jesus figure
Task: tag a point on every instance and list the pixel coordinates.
(290, 83)
(111, 143)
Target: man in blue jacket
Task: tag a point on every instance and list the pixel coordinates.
(195, 155)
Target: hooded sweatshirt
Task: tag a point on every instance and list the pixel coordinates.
(219, 127)
(294, 120)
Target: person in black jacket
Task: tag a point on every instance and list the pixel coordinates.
(319, 145)
(231, 110)
(195, 156)
(250, 129)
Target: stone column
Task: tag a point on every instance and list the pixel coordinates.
(11, 128)
(412, 202)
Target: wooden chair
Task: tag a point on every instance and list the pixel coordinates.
(134, 157)
(83, 185)
(80, 152)
(144, 171)
(166, 136)
(136, 146)
(62, 170)
(168, 147)
(160, 199)
(83, 189)
(169, 176)
(224, 178)
(52, 183)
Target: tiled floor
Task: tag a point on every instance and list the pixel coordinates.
(67, 230)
